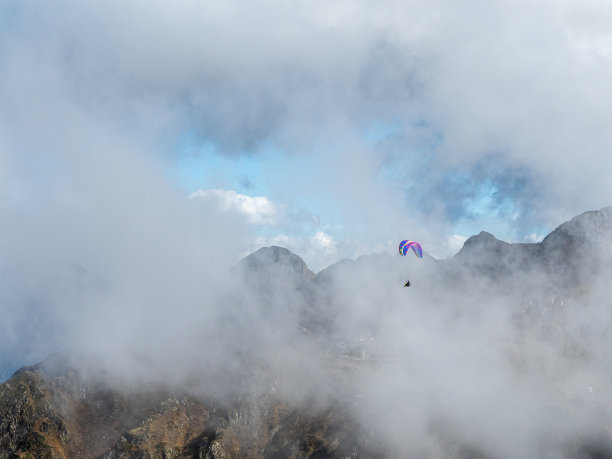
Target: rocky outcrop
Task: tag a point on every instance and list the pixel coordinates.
(62, 414)
(579, 248)
(29, 421)
(569, 255)
(49, 410)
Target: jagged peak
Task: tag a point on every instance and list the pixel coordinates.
(583, 226)
(273, 254)
(274, 257)
(480, 241)
(481, 237)
(586, 236)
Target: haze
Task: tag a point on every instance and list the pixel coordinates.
(146, 148)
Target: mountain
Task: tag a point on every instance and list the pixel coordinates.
(274, 266)
(588, 227)
(328, 300)
(571, 254)
(487, 256)
(585, 240)
(375, 263)
(581, 247)
(63, 408)
(54, 410)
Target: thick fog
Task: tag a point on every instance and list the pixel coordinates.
(412, 117)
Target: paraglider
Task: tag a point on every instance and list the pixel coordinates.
(415, 246)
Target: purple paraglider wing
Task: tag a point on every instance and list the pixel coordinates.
(415, 246)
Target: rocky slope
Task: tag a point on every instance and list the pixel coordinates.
(52, 410)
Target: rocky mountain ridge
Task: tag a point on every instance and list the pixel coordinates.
(586, 237)
(55, 410)
(572, 253)
(269, 262)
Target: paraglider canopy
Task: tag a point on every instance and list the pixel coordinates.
(415, 246)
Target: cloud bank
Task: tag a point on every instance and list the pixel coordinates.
(404, 119)
(258, 210)
(485, 112)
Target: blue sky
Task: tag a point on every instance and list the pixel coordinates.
(487, 195)
(408, 120)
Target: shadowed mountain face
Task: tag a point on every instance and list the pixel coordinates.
(570, 255)
(349, 388)
(580, 248)
(274, 265)
(52, 410)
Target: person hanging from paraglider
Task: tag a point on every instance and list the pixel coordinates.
(416, 248)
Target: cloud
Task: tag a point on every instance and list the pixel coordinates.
(534, 237)
(324, 241)
(258, 210)
(407, 119)
(445, 88)
(455, 242)
(319, 250)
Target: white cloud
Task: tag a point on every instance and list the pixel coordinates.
(448, 248)
(281, 240)
(259, 210)
(324, 241)
(242, 75)
(92, 92)
(455, 242)
(533, 237)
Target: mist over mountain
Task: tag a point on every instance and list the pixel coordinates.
(201, 203)
(498, 352)
(273, 265)
(573, 255)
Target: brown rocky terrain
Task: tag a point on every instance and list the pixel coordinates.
(60, 414)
